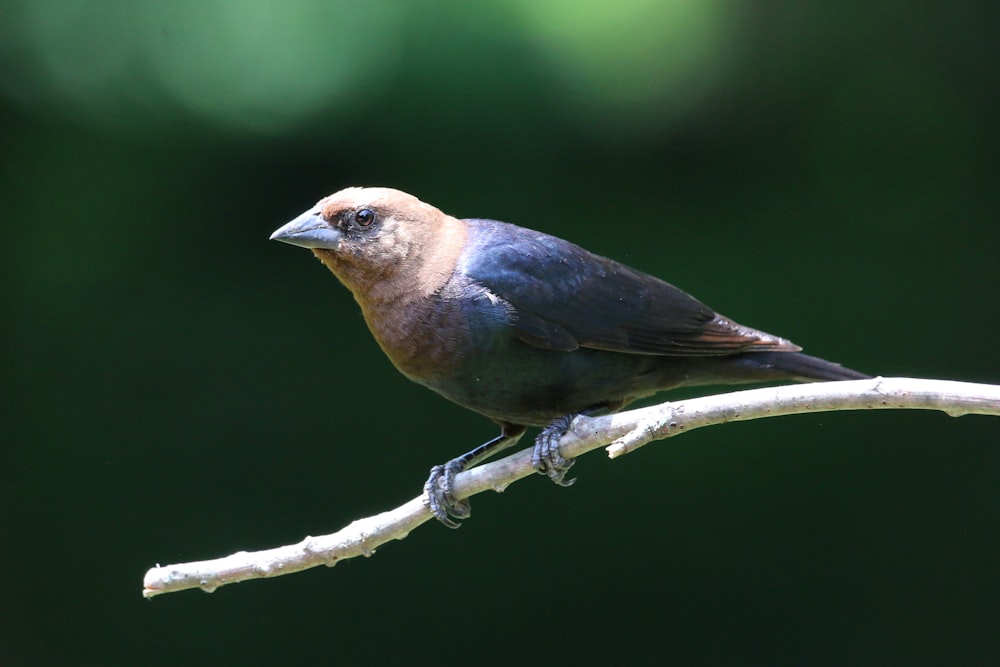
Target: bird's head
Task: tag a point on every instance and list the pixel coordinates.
(378, 240)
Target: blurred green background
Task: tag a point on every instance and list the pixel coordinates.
(179, 388)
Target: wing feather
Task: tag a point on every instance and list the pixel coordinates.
(565, 297)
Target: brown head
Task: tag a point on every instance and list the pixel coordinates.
(381, 243)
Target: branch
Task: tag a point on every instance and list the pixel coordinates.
(622, 433)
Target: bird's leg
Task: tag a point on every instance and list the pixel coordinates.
(439, 489)
(546, 459)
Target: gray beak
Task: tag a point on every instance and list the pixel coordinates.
(309, 230)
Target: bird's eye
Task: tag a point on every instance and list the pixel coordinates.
(364, 217)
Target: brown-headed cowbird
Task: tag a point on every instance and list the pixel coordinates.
(522, 327)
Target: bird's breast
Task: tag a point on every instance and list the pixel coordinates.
(429, 338)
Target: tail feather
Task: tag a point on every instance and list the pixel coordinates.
(801, 366)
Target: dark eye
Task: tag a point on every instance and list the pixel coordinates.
(364, 217)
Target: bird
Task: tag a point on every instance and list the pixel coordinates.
(522, 327)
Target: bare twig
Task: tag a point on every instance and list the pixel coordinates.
(622, 432)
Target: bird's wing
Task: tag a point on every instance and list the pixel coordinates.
(565, 297)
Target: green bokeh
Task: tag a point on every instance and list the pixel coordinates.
(179, 388)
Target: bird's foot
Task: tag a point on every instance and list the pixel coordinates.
(546, 458)
(439, 489)
(439, 495)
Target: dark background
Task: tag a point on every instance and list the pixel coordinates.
(179, 388)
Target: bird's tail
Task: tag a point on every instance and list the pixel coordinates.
(799, 366)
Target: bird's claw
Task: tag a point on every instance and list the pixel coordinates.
(546, 459)
(439, 495)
